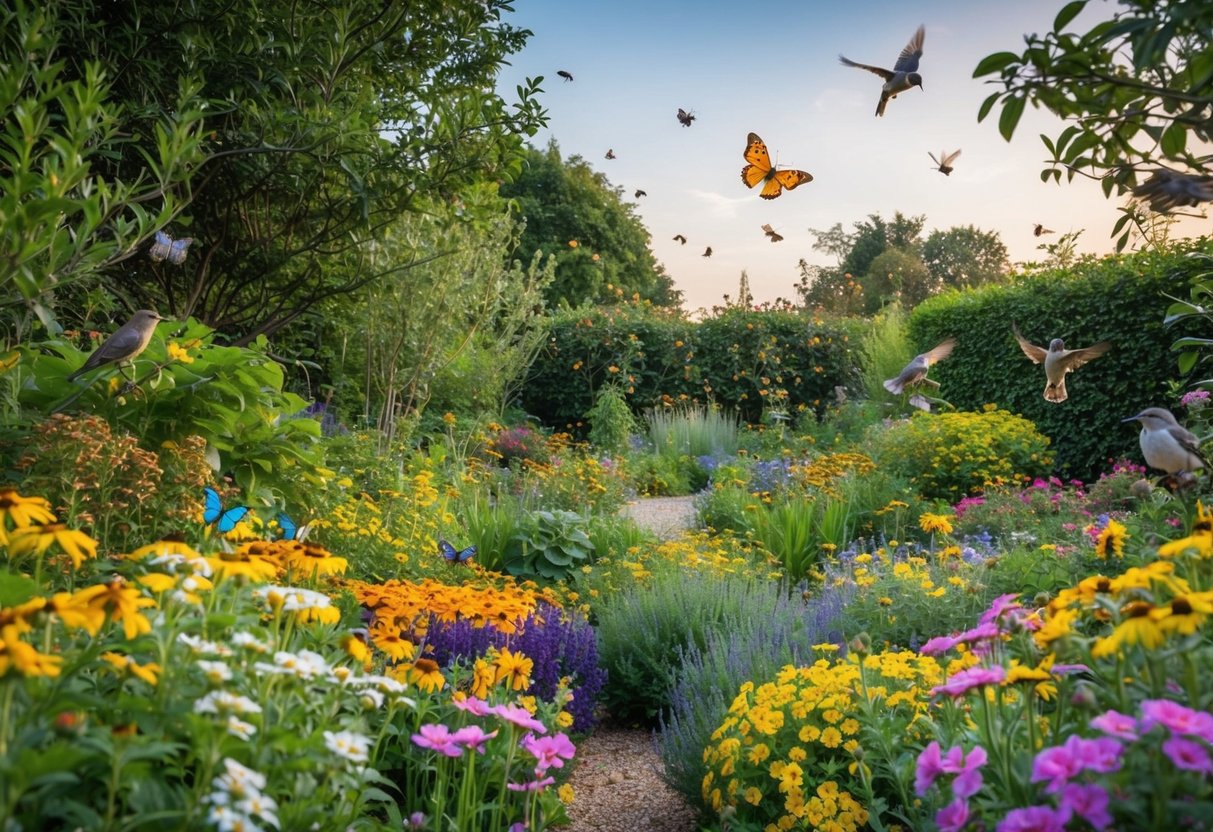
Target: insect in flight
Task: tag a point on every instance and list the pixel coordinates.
(772, 233)
(213, 512)
(685, 117)
(1039, 229)
(640, 193)
(945, 160)
(680, 239)
(567, 76)
(290, 530)
(610, 154)
(707, 252)
(454, 555)
(166, 248)
(774, 182)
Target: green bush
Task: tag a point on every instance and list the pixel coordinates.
(611, 420)
(1120, 299)
(665, 475)
(550, 545)
(950, 455)
(693, 430)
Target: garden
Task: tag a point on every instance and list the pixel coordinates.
(308, 549)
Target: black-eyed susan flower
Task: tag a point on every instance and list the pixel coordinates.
(314, 560)
(1111, 540)
(22, 511)
(16, 655)
(1185, 614)
(1137, 627)
(246, 562)
(121, 603)
(427, 675)
(36, 539)
(125, 664)
(514, 669)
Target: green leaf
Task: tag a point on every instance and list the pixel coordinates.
(994, 63)
(1068, 13)
(1174, 138)
(16, 589)
(1012, 110)
(1186, 362)
(986, 106)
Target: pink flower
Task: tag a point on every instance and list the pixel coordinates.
(968, 781)
(1060, 763)
(1088, 802)
(982, 632)
(473, 737)
(1188, 755)
(929, 766)
(1000, 605)
(549, 751)
(473, 706)
(520, 716)
(531, 785)
(938, 645)
(953, 817)
(1196, 398)
(416, 820)
(1116, 724)
(1177, 718)
(438, 738)
(974, 677)
(1032, 819)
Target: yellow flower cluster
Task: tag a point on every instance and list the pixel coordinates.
(27, 527)
(823, 471)
(779, 757)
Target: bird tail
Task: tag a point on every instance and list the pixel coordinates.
(880, 107)
(1056, 393)
(894, 386)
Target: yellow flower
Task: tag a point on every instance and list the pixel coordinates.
(1111, 540)
(1138, 627)
(37, 539)
(753, 796)
(121, 603)
(448, 418)
(1185, 614)
(24, 511)
(16, 654)
(176, 352)
(357, 649)
(565, 793)
(427, 675)
(484, 676)
(514, 668)
(244, 562)
(313, 560)
(931, 523)
(146, 672)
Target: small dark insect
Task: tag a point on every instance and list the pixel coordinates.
(640, 193)
(772, 233)
(707, 252)
(610, 154)
(567, 76)
(1039, 229)
(945, 160)
(685, 118)
(680, 239)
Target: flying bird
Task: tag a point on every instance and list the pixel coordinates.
(915, 372)
(610, 154)
(945, 160)
(680, 239)
(904, 74)
(567, 76)
(772, 233)
(128, 340)
(685, 118)
(640, 193)
(707, 252)
(1058, 361)
(1039, 229)
(1167, 445)
(774, 182)
(1167, 190)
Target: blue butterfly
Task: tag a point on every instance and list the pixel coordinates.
(166, 247)
(291, 531)
(449, 552)
(213, 512)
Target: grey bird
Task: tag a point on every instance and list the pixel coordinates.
(128, 340)
(915, 372)
(904, 74)
(1167, 445)
(1058, 361)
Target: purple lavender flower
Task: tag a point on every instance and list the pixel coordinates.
(1088, 802)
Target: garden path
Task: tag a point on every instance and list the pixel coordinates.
(617, 783)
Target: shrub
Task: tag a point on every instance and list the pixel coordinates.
(949, 455)
(550, 545)
(519, 444)
(665, 475)
(611, 421)
(884, 352)
(692, 431)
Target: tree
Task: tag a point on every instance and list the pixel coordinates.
(898, 275)
(574, 214)
(1134, 90)
(324, 124)
(965, 256)
(874, 236)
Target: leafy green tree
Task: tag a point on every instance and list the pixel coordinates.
(1136, 92)
(897, 274)
(574, 214)
(965, 256)
(873, 236)
(324, 124)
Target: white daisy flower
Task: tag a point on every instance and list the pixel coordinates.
(354, 747)
(240, 729)
(216, 673)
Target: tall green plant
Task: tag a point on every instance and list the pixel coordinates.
(611, 421)
(884, 350)
(694, 430)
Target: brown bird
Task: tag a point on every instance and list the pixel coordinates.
(680, 239)
(1039, 229)
(567, 76)
(128, 340)
(685, 118)
(610, 154)
(915, 372)
(1058, 361)
(945, 161)
(640, 193)
(770, 232)
(707, 252)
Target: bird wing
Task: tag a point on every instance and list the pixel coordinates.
(907, 61)
(950, 158)
(1037, 354)
(940, 352)
(911, 375)
(933, 159)
(1074, 359)
(883, 73)
(1188, 441)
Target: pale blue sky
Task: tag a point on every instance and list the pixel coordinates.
(773, 69)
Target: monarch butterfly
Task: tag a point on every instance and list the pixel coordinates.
(760, 169)
(166, 247)
(454, 556)
(213, 512)
(291, 531)
(772, 233)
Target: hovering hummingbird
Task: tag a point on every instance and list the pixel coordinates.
(680, 239)
(945, 160)
(915, 372)
(1167, 445)
(567, 76)
(1039, 229)
(685, 117)
(772, 233)
(1058, 361)
(904, 74)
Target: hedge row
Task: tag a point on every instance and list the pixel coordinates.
(743, 360)
(1118, 299)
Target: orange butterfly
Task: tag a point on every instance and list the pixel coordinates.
(760, 169)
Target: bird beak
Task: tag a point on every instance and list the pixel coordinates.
(1131, 418)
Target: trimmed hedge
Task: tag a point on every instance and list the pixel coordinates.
(743, 360)
(1119, 299)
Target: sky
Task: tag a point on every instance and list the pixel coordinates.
(773, 69)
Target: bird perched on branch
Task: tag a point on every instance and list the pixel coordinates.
(128, 341)
(915, 372)
(904, 74)
(1167, 445)
(1058, 361)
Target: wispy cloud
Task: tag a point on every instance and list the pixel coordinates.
(718, 204)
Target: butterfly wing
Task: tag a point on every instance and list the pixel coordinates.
(177, 250)
(785, 179)
(759, 161)
(228, 519)
(213, 507)
(289, 530)
(951, 157)
(447, 550)
(466, 555)
(161, 247)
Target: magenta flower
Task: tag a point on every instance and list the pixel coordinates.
(953, 817)
(974, 677)
(1188, 755)
(968, 781)
(472, 737)
(520, 716)
(929, 766)
(1033, 819)
(416, 820)
(438, 738)
(531, 785)
(549, 751)
(1088, 802)
(1116, 724)
(473, 706)
(1060, 763)
(938, 645)
(518, 826)
(1177, 718)
(982, 632)
(1000, 605)
(1197, 398)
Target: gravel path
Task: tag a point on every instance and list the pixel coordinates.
(617, 784)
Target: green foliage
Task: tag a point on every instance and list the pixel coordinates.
(490, 524)
(549, 545)
(965, 256)
(949, 455)
(1194, 352)
(884, 351)
(788, 530)
(900, 276)
(692, 430)
(1117, 299)
(611, 420)
(574, 215)
(666, 474)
